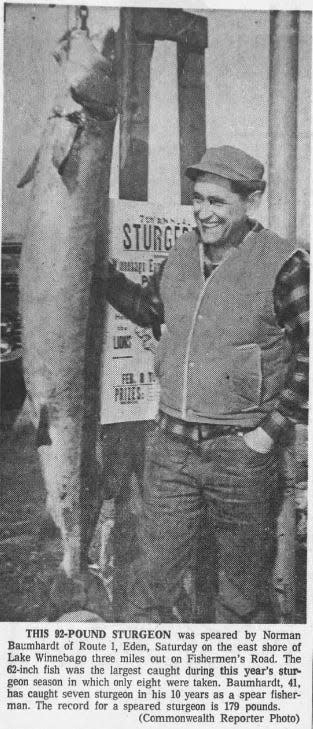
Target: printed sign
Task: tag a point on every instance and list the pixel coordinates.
(141, 237)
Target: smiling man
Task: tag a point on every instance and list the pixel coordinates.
(232, 364)
(219, 212)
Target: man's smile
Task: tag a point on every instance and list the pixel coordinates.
(211, 225)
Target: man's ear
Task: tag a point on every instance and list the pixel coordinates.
(254, 200)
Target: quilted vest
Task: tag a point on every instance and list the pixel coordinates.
(223, 357)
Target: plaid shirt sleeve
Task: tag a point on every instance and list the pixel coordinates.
(291, 302)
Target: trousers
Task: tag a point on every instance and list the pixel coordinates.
(213, 500)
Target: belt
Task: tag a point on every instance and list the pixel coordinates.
(196, 432)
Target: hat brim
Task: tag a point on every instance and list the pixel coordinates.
(202, 168)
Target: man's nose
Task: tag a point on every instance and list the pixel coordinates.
(206, 210)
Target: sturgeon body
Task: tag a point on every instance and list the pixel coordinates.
(62, 310)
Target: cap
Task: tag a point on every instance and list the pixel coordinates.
(232, 164)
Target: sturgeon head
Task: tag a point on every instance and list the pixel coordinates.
(62, 310)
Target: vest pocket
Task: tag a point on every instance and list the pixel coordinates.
(246, 376)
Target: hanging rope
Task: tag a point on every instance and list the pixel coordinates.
(81, 13)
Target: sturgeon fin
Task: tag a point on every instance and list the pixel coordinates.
(43, 437)
(24, 417)
(65, 155)
(68, 167)
(30, 172)
(63, 145)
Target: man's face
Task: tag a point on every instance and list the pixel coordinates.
(217, 209)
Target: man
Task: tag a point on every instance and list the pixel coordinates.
(232, 365)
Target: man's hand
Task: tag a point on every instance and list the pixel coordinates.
(258, 440)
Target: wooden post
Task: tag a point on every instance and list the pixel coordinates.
(140, 27)
(283, 122)
(284, 578)
(191, 96)
(135, 59)
(192, 137)
(282, 218)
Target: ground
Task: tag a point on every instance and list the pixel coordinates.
(30, 550)
(26, 567)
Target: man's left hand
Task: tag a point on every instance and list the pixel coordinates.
(258, 440)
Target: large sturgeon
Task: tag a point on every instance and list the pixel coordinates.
(62, 308)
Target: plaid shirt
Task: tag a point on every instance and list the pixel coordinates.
(291, 302)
